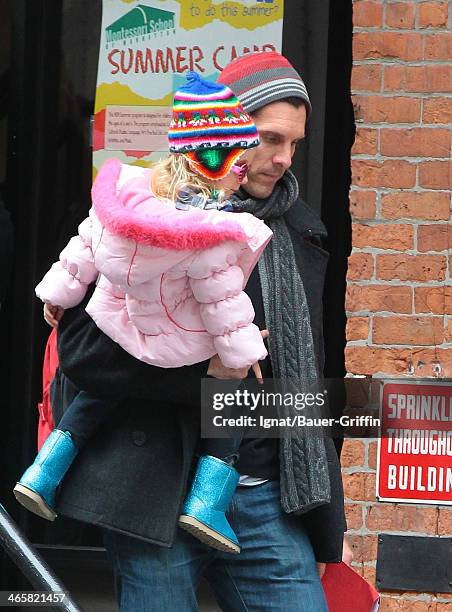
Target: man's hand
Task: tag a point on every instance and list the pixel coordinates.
(347, 553)
(53, 314)
(347, 557)
(218, 370)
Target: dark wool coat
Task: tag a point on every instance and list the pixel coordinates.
(134, 473)
(6, 249)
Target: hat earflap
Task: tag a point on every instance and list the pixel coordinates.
(213, 163)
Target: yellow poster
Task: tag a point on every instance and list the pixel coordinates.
(146, 48)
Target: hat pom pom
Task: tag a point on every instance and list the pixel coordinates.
(192, 77)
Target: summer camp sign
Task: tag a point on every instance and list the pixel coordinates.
(147, 47)
(415, 447)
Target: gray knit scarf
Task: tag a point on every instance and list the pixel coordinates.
(304, 477)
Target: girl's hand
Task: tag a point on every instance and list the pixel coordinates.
(218, 370)
(53, 314)
(258, 373)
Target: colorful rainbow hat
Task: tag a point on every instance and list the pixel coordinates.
(210, 127)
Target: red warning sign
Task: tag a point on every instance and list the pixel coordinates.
(415, 448)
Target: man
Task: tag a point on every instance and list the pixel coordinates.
(132, 478)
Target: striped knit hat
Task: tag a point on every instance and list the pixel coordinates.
(264, 77)
(210, 127)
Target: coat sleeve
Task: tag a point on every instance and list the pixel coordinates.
(66, 283)
(98, 365)
(226, 310)
(325, 525)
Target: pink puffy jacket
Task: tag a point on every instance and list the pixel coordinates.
(169, 282)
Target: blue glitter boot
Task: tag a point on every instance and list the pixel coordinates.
(37, 487)
(203, 512)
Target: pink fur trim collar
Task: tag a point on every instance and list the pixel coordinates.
(189, 231)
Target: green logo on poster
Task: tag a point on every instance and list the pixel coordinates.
(141, 21)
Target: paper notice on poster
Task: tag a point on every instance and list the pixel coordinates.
(135, 128)
(415, 448)
(146, 49)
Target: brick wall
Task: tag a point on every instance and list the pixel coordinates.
(399, 294)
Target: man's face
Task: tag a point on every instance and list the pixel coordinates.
(281, 127)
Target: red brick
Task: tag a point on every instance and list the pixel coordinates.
(438, 46)
(433, 14)
(379, 45)
(415, 142)
(394, 517)
(411, 267)
(396, 174)
(378, 298)
(366, 77)
(430, 206)
(426, 358)
(362, 204)
(366, 142)
(384, 109)
(352, 454)
(437, 110)
(359, 486)
(419, 605)
(434, 237)
(368, 360)
(369, 574)
(400, 15)
(435, 174)
(397, 604)
(354, 516)
(364, 547)
(357, 328)
(448, 331)
(367, 14)
(360, 266)
(370, 487)
(425, 331)
(388, 604)
(437, 300)
(372, 455)
(383, 236)
(445, 522)
(431, 78)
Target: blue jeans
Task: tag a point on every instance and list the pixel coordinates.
(275, 571)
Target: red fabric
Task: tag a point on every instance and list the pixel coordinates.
(45, 425)
(345, 590)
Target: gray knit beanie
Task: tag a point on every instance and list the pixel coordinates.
(260, 78)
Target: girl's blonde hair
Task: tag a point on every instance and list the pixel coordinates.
(173, 173)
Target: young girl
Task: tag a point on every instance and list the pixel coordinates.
(171, 264)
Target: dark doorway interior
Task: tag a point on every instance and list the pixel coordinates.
(48, 74)
(336, 179)
(51, 79)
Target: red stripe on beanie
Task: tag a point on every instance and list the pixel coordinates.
(251, 63)
(247, 73)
